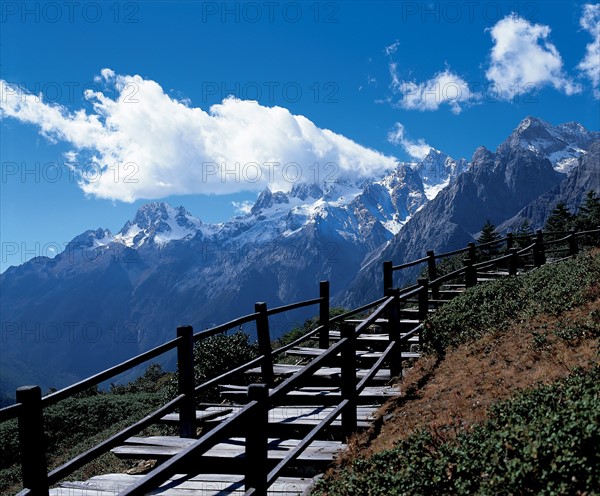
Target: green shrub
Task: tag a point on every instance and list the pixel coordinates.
(550, 289)
(544, 441)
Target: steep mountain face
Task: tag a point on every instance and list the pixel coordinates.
(109, 296)
(496, 186)
(561, 144)
(437, 171)
(584, 177)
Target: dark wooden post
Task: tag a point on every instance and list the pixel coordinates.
(472, 251)
(432, 272)
(348, 372)
(185, 379)
(32, 440)
(573, 248)
(431, 268)
(388, 276)
(257, 441)
(393, 315)
(423, 299)
(264, 342)
(324, 314)
(539, 255)
(513, 262)
(510, 242)
(470, 273)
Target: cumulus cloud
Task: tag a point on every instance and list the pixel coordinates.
(445, 87)
(416, 149)
(143, 144)
(522, 56)
(590, 64)
(242, 207)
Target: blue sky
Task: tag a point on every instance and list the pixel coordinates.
(135, 107)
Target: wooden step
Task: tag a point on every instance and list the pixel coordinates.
(324, 373)
(369, 338)
(181, 485)
(300, 351)
(321, 395)
(201, 416)
(228, 455)
(289, 414)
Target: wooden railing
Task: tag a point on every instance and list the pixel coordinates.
(259, 474)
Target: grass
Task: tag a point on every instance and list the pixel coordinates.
(533, 350)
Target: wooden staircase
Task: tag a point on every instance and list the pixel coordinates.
(277, 437)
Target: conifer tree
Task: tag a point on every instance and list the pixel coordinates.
(560, 219)
(588, 216)
(487, 235)
(524, 229)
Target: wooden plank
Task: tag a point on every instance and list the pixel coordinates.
(380, 337)
(330, 373)
(290, 414)
(371, 395)
(317, 451)
(181, 485)
(313, 352)
(201, 416)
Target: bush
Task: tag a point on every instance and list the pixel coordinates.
(544, 441)
(550, 289)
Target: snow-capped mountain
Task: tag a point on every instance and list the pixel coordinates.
(113, 295)
(437, 170)
(560, 144)
(158, 223)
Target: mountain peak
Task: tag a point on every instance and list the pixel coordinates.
(562, 144)
(160, 222)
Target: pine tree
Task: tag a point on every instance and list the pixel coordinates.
(524, 229)
(487, 235)
(588, 216)
(560, 219)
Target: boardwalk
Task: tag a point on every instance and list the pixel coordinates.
(279, 436)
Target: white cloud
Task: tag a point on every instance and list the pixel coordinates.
(416, 149)
(390, 50)
(522, 56)
(144, 144)
(242, 207)
(590, 64)
(445, 87)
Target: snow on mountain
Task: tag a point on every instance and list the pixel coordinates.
(561, 144)
(160, 223)
(437, 170)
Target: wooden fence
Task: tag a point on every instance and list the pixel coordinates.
(259, 472)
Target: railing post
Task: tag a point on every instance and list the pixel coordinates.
(470, 273)
(472, 251)
(510, 242)
(432, 273)
(431, 268)
(185, 379)
(388, 276)
(264, 342)
(348, 372)
(513, 262)
(423, 299)
(32, 440)
(324, 314)
(539, 255)
(393, 316)
(257, 441)
(573, 248)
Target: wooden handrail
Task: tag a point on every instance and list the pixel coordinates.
(260, 316)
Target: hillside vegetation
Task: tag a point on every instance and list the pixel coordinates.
(505, 401)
